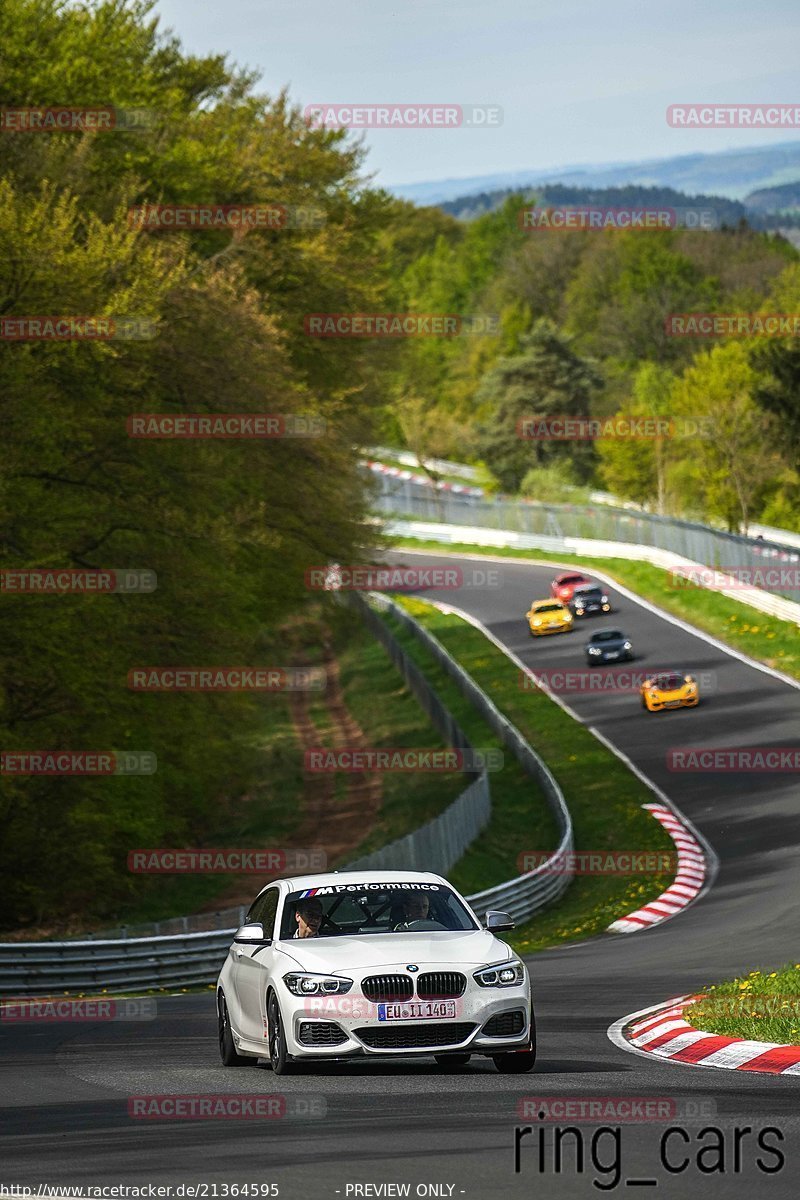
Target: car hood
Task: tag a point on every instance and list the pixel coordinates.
(362, 951)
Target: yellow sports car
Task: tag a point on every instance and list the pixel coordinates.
(669, 689)
(548, 616)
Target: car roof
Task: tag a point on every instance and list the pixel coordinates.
(299, 883)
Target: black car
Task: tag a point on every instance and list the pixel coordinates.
(589, 599)
(608, 645)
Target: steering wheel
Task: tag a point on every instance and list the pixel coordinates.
(423, 925)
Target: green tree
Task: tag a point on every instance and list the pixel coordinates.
(635, 468)
(733, 457)
(546, 378)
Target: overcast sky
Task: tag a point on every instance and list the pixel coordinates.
(578, 80)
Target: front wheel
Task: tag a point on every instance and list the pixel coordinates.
(227, 1047)
(278, 1057)
(451, 1062)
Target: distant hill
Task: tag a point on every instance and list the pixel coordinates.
(785, 198)
(728, 212)
(734, 174)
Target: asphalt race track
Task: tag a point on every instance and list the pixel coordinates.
(65, 1090)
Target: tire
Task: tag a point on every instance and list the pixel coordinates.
(518, 1062)
(451, 1062)
(227, 1048)
(278, 1057)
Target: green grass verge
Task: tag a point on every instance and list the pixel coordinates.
(764, 1007)
(769, 640)
(604, 798)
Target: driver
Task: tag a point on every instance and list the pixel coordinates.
(415, 908)
(308, 914)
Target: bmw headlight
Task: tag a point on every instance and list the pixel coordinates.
(627, 646)
(301, 983)
(595, 650)
(604, 599)
(507, 974)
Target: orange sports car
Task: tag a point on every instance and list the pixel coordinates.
(669, 689)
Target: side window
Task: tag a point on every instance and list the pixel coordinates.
(263, 909)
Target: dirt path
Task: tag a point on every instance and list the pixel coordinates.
(335, 824)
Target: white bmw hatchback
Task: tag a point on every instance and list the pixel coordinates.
(372, 963)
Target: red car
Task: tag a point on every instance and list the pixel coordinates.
(564, 585)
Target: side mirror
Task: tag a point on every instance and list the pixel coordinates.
(689, 678)
(251, 935)
(497, 921)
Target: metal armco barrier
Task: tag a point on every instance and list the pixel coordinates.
(524, 894)
(137, 963)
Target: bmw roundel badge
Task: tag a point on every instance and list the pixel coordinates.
(412, 967)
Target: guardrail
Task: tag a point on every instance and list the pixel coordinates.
(40, 968)
(524, 894)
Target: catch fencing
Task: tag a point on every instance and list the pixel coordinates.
(602, 522)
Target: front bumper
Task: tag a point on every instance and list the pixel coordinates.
(543, 630)
(674, 702)
(346, 1026)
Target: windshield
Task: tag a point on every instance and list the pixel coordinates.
(608, 635)
(363, 908)
(540, 608)
(670, 682)
(589, 590)
(571, 579)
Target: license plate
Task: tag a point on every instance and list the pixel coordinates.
(612, 653)
(411, 1010)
